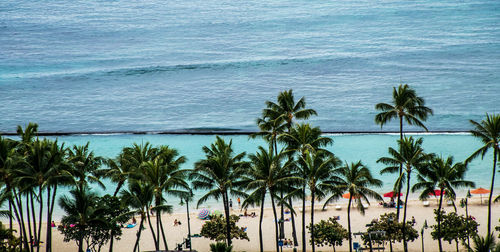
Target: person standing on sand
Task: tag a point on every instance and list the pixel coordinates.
(231, 203)
(239, 203)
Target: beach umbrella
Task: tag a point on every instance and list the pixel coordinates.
(437, 193)
(204, 213)
(347, 195)
(480, 191)
(392, 194)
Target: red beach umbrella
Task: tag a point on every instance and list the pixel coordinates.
(392, 194)
(480, 191)
(437, 193)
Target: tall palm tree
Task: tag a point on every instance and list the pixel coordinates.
(8, 159)
(165, 175)
(444, 175)
(410, 156)
(85, 165)
(43, 160)
(217, 173)
(139, 197)
(286, 110)
(264, 176)
(488, 131)
(317, 172)
(270, 129)
(406, 106)
(355, 179)
(118, 171)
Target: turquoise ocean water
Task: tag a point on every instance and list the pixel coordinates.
(348, 147)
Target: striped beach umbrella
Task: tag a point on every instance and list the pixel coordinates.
(204, 213)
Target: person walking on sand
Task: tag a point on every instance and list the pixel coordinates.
(231, 203)
(239, 203)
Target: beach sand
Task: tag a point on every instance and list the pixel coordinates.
(176, 234)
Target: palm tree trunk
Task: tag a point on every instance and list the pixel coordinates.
(312, 221)
(189, 227)
(111, 243)
(163, 235)
(118, 187)
(19, 221)
(405, 242)
(152, 230)
(141, 226)
(400, 168)
(228, 222)
(260, 221)
(495, 152)
(158, 218)
(80, 244)
(48, 242)
(439, 220)
(304, 243)
(282, 218)
(275, 221)
(294, 231)
(28, 216)
(21, 224)
(349, 222)
(51, 212)
(40, 213)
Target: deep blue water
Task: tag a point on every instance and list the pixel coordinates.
(168, 65)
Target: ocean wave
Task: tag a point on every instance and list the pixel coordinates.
(86, 73)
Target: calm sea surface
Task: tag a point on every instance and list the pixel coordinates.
(175, 65)
(172, 65)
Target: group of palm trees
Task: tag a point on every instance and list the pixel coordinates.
(296, 165)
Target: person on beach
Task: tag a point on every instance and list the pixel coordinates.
(231, 203)
(239, 203)
(53, 224)
(134, 221)
(176, 222)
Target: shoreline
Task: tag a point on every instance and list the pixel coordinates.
(228, 132)
(176, 234)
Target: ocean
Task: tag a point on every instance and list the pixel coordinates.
(182, 66)
(154, 65)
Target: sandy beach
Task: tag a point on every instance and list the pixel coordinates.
(176, 234)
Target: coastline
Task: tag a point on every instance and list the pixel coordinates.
(176, 234)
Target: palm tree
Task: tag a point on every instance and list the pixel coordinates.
(488, 131)
(217, 173)
(118, 171)
(354, 179)
(265, 175)
(317, 169)
(165, 175)
(85, 165)
(79, 211)
(445, 176)
(410, 156)
(285, 109)
(270, 129)
(407, 106)
(44, 159)
(139, 197)
(301, 140)
(8, 158)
